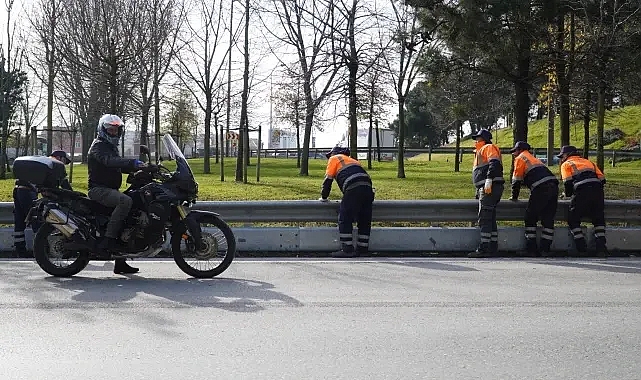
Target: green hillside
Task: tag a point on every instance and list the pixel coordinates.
(626, 119)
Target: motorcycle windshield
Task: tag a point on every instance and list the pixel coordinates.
(183, 171)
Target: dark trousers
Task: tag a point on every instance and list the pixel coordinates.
(541, 206)
(487, 217)
(356, 206)
(113, 198)
(23, 199)
(588, 202)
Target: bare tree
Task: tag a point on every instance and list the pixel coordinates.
(100, 57)
(375, 98)
(359, 48)
(157, 47)
(45, 23)
(243, 133)
(410, 44)
(12, 81)
(30, 113)
(202, 64)
(305, 27)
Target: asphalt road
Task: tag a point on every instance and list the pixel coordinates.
(326, 319)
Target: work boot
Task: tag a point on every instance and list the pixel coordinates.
(532, 249)
(347, 250)
(581, 246)
(21, 251)
(121, 267)
(362, 251)
(545, 248)
(482, 251)
(602, 251)
(493, 248)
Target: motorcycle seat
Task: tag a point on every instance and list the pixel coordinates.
(83, 199)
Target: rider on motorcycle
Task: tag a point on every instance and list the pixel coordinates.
(105, 178)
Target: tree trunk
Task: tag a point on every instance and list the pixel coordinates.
(550, 151)
(457, 152)
(297, 122)
(401, 138)
(521, 109)
(144, 125)
(218, 147)
(600, 124)
(369, 140)
(297, 142)
(309, 119)
(586, 121)
(208, 106)
(378, 142)
(563, 82)
(242, 133)
(521, 85)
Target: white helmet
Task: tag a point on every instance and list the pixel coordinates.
(111, 128)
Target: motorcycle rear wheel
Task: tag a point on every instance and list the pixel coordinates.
(220, 244)
(47, 244)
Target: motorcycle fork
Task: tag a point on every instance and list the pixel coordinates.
(193, 227)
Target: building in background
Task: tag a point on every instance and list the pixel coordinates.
(386, 139)
(285, 138)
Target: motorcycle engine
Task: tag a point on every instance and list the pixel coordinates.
(140, 222)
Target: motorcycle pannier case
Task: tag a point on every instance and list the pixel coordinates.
(39, 170)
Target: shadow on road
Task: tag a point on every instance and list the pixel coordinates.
(230, 294)
(615, 266)
(434, 265)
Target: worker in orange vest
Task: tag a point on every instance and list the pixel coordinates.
(487, 176)
(543, 201)
(583, 182)
(356, 205)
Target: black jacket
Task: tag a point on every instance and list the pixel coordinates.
(106, 166)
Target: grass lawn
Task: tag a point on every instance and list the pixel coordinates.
(627, 119)
(279, 180)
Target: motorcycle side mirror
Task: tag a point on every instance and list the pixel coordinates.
(144, 149)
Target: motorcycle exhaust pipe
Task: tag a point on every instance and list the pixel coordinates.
(62, 222)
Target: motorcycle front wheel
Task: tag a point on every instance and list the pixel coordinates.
(49, 252)
(216, 255)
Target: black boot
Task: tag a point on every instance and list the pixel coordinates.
(347, 250)
(601, 250)
(545, 248)
(21, 251)
(362, 251)
(482, 251)
(581, 246)
(494, 247)
(121, 267)
(531, 247)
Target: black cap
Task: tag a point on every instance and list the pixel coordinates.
(337, 150)
(484, 134)
(520, 145)
(567, 149)
(62, 155)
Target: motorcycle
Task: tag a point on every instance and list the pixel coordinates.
(72, 224)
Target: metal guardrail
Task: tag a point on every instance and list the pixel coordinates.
(291, 152)
(440, 210)
(389, 239)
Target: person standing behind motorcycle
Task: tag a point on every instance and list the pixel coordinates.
(583, 182)
(543, 201)
(487, 176)
(105, 178)
(24, 194)
(356, 205)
